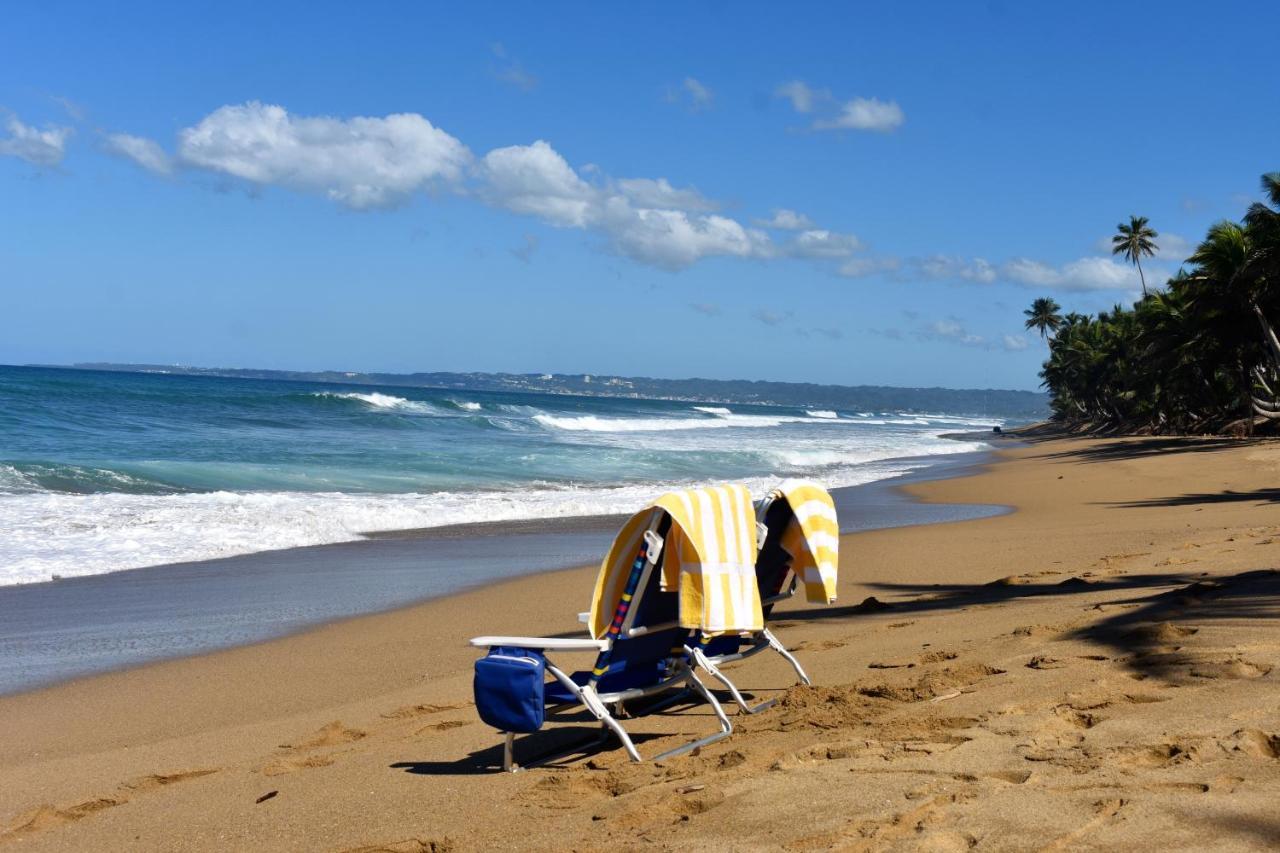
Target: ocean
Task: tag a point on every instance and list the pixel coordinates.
(106, 471)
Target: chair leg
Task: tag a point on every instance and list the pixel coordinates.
(726, 727)
(508, 765)
(703, 661)
(777, 646)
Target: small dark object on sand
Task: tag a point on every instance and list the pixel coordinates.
(268, 795)
(997, 430)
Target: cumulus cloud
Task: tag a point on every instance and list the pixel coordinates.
(786, 220)
(674, 239)
(536, 180)
(360, 162)
(145, 152)
(865, 114)
(39, 147)
(650, 192)
(818, 243)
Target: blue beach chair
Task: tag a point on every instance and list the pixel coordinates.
(670, 573)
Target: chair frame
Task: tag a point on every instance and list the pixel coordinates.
(681, 677)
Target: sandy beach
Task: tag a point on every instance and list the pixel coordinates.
(1096, 670)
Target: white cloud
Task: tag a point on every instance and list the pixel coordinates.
(672, 238)
(38, 147)
(1085, 274)
(1014, 343)
(649, 192)
(535, 180)
(145, 152)
(952, 330)
(802, 97)
(820, 243)
(359, 162)
(865, 114)
(947, 267)
(699, 95)
(786, 220)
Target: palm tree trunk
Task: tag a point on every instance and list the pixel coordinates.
(1142, 277)
(1268, 333)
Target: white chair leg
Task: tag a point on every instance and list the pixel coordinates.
(744, 707)
(777, 646)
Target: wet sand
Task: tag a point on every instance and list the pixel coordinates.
(1099, 669)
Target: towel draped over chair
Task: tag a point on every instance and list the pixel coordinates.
(812, 538)
(709, 558)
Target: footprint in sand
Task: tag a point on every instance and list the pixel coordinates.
(1234, 668)
(48, 816)
(1254, 742)
(409, 711)
(159, 780)
(334, 734)
(281, 766)
(442, 726)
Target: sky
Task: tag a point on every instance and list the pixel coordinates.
(840, 193)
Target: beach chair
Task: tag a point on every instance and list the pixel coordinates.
(682, 567)
(801, 545)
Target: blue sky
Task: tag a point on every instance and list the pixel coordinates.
(848, 194)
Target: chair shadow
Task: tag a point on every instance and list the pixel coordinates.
(570, 743)
(929, 598)
(1260, 496)
(567, 743)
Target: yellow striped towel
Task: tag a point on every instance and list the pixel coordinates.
(812, 538)
(710, 555)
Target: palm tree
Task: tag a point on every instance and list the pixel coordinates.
(1133, 241)
(1044, 316)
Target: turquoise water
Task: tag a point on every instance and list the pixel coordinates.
(105, 471)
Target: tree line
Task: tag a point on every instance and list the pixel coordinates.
(1199, 355)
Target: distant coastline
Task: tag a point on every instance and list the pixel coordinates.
(1028, 405)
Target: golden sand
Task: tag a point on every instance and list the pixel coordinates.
(1098, 670)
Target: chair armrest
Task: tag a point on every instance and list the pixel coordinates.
(548, 643)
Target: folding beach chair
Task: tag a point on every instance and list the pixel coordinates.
(683, 565)
(801, 544)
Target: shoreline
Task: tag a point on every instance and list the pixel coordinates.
(80, 627)
(1015, 686)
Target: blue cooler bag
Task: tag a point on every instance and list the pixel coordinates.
(509, 687)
